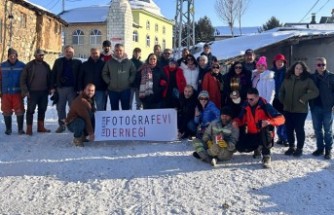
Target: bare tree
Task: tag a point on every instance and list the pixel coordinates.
(227, 12)
(241, 9)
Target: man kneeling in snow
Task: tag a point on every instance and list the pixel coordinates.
(80, 119)
(219, 139)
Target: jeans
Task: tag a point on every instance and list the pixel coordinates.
(77, 126)
(66, 95)
(322, 125)
(282, 132)
(100, 100)
(123, 96)
(39, 99)
(295, 122)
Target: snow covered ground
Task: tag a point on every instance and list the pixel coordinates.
(46, 174)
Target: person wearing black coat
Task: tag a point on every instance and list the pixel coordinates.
(91, 73)
(65, 73)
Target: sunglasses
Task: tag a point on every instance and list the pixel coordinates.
(238, 67)
(250, 99)
(216, 67)
(321, 64)
(203, 99)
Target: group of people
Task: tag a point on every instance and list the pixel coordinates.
(220, 112)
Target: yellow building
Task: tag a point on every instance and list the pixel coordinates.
(88, 27)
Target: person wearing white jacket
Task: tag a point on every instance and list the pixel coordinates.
(263, 80)
(191, 71)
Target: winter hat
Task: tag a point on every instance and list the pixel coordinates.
(106, 43)
(262, 61)
(226, 111)
(203, 94)
(279, 57)
(172, 60)
(12, 51)
(249, 51)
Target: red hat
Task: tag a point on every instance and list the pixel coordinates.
(279, 57)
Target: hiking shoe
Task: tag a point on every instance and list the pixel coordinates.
(214, 162)
(298, 153)
(328, 155)
(282, 142)
(318, 152)
(78, 142)
(257, 153)
(266, 161)
(61, 129)
(290, 151)
(196, 155)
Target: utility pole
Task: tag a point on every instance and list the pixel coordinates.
(63, 5)
(184, 29)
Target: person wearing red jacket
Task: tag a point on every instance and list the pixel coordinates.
(257, 118)
(176, 83)
(213, 83)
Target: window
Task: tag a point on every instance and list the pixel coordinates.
(164, 30)
(148, 41)
(135, 36)
(156, 41)
(78, 37)
(156, 28)
(23, 20)
(163, 44)
(148, 25)
(95, 37)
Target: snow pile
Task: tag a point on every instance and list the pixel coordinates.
(46, 174)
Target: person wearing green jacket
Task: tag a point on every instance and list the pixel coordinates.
(296, 91)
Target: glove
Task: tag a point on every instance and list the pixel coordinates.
(222, 144)
(209, 143)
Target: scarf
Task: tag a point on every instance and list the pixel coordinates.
(146, 82)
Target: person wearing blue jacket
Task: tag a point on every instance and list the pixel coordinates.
(10, 91)
(205, 113)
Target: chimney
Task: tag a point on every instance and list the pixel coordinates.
(313, 19)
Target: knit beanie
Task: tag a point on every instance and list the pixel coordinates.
(279, 57)
(12, 51)
(226, 111)
(262, 61)
(203, 94)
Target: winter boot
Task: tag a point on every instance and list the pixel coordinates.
(19, 120)
(266, 161)
(328, 154)
(290, 151)
(29, 130)
(257, 153)
(298, 152)
(78, 142)
(41, 128)
(318, 152)
(61, 127)
(8, 123)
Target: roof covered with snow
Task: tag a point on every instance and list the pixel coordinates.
(99, 13)
(234, 47)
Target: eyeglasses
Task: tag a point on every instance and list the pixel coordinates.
(238, 67)
(203, 99)
(216, 67)
(250, 99)
(321, 65)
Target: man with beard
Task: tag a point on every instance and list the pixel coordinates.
(106, 54)
(36, 86)
(218, 141)
(80, 119)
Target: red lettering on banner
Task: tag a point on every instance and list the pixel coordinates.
(134, 134)
(158, 119)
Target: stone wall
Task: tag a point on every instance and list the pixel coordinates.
(29, 31)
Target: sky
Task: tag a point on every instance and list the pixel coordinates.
(258, 11)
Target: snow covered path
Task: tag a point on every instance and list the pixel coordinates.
(45, 174)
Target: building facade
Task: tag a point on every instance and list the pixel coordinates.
(90, 26)
(25, 27)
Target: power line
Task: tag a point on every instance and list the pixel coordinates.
(323, 6)
(315, 4)
(54, 5)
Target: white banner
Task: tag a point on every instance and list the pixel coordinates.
(153, 124)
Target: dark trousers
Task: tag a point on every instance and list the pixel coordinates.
(77, 126)
(123, 96)
(295, 123)
(250, 142)
(39, 99)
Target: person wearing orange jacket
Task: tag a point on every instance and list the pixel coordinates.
(257, 119)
